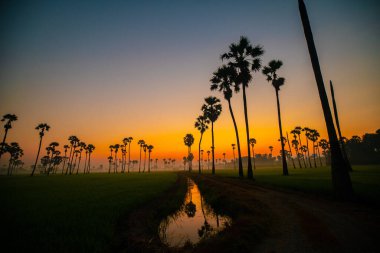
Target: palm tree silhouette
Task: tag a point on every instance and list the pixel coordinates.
(202, 159)
(201, 124)
(150, 147)
(339, 170)
(270, 72)
(212, 109)
(66, 147)
(271, 151)
(224, 80)
(141, 143)
(233, 153)
(51, 149)
(42, 127)
(184, 162)
(8, 118)
(290, 150)
(82, 146)
(116, 147)
(314, 136)
(324, 144)
(110, 158)
(90, 148)
(297, 132)
(308, 136)
(295, 144)
(252, 142)
(208, 159)
(244, 58)
(144, 149)
(74, 141)
(189, 140)
(15, 152)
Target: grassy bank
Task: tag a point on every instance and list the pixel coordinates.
(71, 213)
(365, 179)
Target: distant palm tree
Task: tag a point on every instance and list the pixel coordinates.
(270, 72)
(271, 151)
(9, 118)
(51, 150)
(224, 80)
(295, 145)
(15, 152)
(66, 147)
(82, 146)
(208, 159)
(110, 158)
(201, 124)
(304, 151)
(85, 159)
(297, 132)
(116, 147)
(290, 150)
(90, 149)
(244, 58)
(252, 142)
(314, 136)
(212, 109)
(189, 140)
(308, 136)
(150, 148)
(233, 153)
(141, 143)
(41, 128)
(324, 144)
(74, 142)
(144, 149)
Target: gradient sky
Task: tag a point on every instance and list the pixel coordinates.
(105, 70)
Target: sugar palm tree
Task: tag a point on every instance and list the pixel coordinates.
(201, 124)
(290, 150)
(212, 109)
(74, 142)
(270, 72)
(245, 58)
(85, 159)
(324, 144)
(271, 151)
(150, 148)
(110, 158)
(51, 150)
(189, 140)
(82, 146)
(341, 180)
(224, 80)
(233, 153)
(208, 159)
(8, 119)
(314, 136)
(15, 152)
(130, 139)
(308, 137)
(90, 149)
(144, 149)
(42, 127)
(252, 142)
(66, 147)
(295, 145)
(116, 148)
(141, 143)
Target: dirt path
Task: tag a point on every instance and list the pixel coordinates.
(304, 223)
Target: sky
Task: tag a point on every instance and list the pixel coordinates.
(105, 70)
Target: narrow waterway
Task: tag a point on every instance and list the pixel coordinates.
(195, 220)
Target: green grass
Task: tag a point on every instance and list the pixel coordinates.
(365, 179)
(70, 213)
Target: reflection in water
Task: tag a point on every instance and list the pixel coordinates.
(195, 220)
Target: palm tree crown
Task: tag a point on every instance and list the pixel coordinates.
(212, 109)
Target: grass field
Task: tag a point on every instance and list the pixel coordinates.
(70, 213)
(365, 179)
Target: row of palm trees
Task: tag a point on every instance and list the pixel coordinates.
(113, 158)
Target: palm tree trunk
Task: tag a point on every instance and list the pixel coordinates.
(315, 162)
(38, 154)
(3, 142)
(284, 164)
(253, 158)
(344, 153)
(129, 155)
(341, 180)
(85, 164)
(68, 163)
(212, 149)
(308, 153)
(241, 173)
(89, 163)
(250, 171)
(80, 158)
(9, 167)
(304, 161)
(290, 150)
(144, 161)
(319, 156)
(148, 162)
(199, 153)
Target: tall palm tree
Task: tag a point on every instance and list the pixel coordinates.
(51, 149)
(74, 141)
(295, 145)
(42, 127)
(252, 142)
(270, 72)
(66, 147)
(141, 143)
(233, 153)
(15, 152)
(341, 180)
(290, 150)
(144, 149)
(308, 136)
(85, 159)
(110, 158)
(150, 148)
(189, 140)
(116, 147)
(130, 139)
(223, 80)
(201, 124)
(245, 58)
(324, 144)
(82, 146)
(212, 109)
(90, 148)
(8, 118)
(314, 136)
(297, 132)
